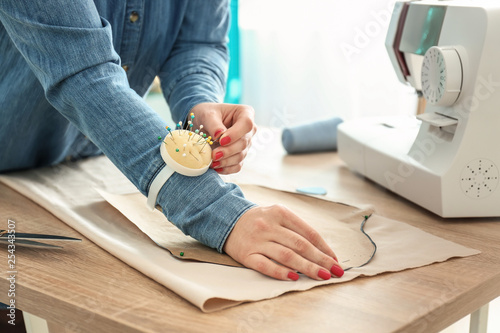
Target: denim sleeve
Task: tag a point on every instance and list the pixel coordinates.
(196, 69)
(69, 48)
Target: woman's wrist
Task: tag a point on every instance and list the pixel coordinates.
(203, 207)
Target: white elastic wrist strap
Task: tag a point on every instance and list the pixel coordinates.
(160, 179)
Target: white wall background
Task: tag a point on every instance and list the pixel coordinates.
(306, 60)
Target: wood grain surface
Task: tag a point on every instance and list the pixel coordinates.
(82, 288)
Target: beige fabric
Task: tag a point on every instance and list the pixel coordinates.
(162, 232)
(340, 225)
(68, 192)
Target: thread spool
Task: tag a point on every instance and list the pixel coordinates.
(311, 137)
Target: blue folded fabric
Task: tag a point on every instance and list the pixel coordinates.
(311, 137)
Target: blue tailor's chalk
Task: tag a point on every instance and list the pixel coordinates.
(312, 190)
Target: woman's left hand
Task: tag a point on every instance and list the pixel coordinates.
(233, 126)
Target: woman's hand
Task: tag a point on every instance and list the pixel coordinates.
(233, 126)
(274, 241)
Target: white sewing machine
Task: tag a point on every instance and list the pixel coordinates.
(448, 160)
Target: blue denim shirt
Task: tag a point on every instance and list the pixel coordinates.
(64, 91)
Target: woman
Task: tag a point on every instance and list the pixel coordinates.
(72, 74)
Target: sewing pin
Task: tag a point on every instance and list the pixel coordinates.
(194, 156)
(170, 131)
(201, 137)
(179, 126)
(201, 150)
(207, 140)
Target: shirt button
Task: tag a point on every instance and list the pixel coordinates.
(134, 16)
(125, 68)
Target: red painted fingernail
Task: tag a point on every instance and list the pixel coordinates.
(219, 170)
(219, 155)
(293, 276)
(215, 164)
(225, 140)
(324, 274)
(337, 271)
(217, 133)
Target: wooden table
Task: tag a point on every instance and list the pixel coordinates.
(84, 289)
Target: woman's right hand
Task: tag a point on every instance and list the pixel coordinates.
(275, 242)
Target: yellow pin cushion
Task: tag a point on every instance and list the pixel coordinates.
(184, 151)
(187, 152)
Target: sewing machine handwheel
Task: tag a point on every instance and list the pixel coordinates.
(441, 76)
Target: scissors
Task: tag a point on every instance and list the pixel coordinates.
(30, 240)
